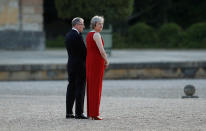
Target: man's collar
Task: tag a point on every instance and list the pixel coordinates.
(75, 29)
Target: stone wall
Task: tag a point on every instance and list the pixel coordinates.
(32, 19)
(21, 25)
(170, 70)
(9, 15)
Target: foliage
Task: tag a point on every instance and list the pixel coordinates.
(158, 12)
(196, 36)
(112, 10)
(55, 43)
(142, 35)
(170, 36)
(170, 23)
(119, 41)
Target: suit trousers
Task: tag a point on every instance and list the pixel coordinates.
(76, 91)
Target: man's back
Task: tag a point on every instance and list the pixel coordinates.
(76, 68)
(76, 49)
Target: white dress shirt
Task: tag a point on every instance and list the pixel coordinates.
(75, 29)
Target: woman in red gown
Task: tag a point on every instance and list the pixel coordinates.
(96, 61)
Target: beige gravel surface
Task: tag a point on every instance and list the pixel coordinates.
(126, 106)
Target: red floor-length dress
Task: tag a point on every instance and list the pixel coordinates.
(94, 75)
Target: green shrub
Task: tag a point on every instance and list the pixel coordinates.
(141, 35)
(196, 36)
(119, 41)
(170, 36)
(55, 43)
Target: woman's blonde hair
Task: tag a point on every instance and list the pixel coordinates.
(96, 19)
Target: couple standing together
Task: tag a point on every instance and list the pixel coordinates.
(85, 68)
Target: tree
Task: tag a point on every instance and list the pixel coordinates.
(158, 12)
(153, 12)
(112, 10)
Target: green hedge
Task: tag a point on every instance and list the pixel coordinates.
(55, 43)
(119, 41)
(195, 36)
(168, 36)
(141, 35)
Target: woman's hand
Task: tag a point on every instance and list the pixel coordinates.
(106, 63)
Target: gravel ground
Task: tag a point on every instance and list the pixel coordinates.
(141, 105)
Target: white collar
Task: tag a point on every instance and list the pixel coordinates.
(75, 29)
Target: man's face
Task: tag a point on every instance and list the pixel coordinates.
(80, 26)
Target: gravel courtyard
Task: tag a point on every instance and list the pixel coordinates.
(141, 105)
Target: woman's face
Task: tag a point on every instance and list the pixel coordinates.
(99, 26)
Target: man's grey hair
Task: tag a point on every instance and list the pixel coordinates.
(96, 19)
(77, 20)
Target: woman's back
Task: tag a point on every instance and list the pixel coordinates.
(91, 46)
(94, 74)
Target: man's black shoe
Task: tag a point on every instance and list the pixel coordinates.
(82, 116)
(68, 116)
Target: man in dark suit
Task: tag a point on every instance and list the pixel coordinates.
(76, 67)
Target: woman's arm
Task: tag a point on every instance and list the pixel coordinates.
(98, 40)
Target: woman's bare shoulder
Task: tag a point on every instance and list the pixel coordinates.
(97, 35)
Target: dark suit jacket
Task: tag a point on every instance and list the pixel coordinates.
(76, 50)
